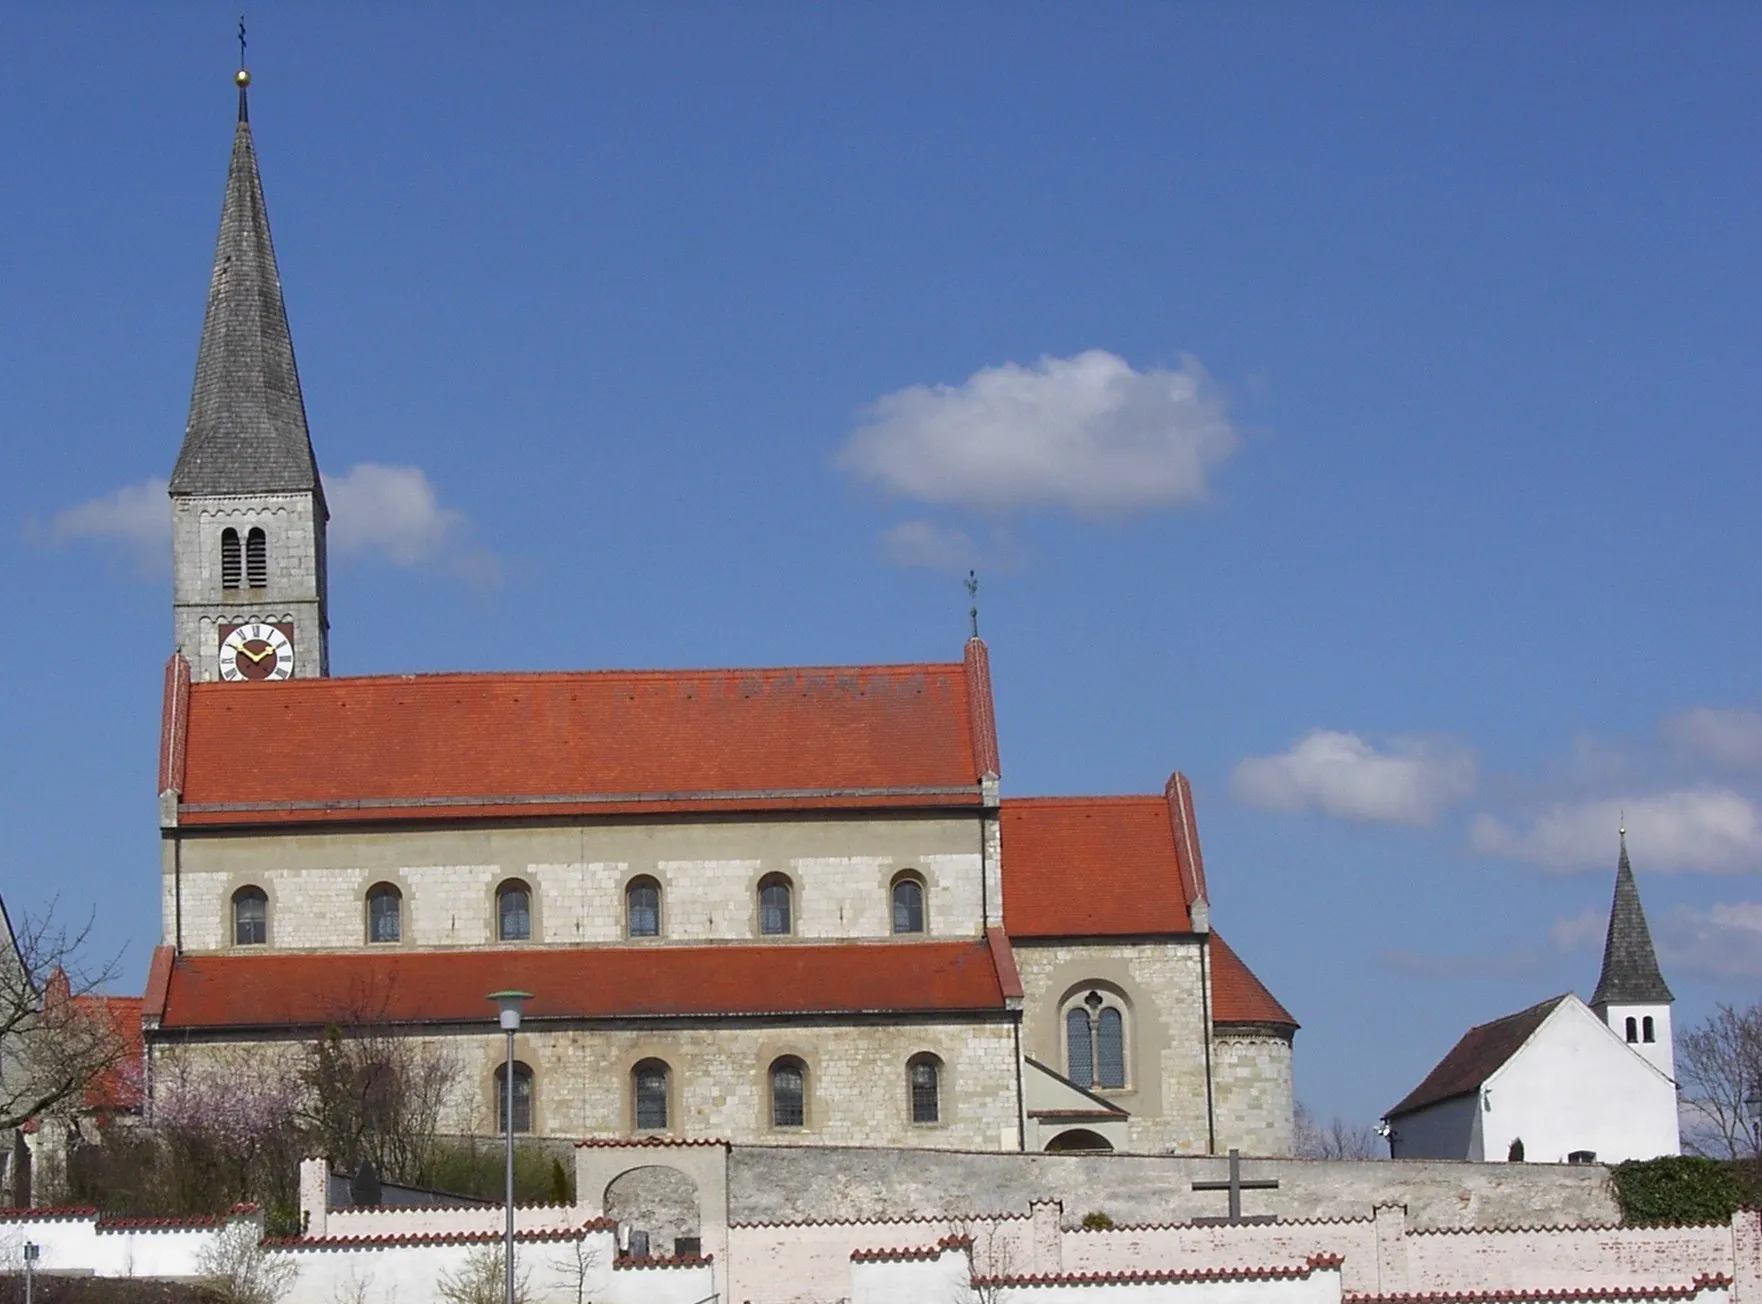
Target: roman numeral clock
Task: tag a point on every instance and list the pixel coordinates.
(256, 651)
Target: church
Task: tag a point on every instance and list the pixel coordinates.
(783, 905)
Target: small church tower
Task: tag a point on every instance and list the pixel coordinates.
(248, 511)
(1631, 995)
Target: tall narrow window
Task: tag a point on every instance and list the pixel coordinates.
(1110, 1048)
(908, 906)
(1633, 1029)
(250, 917)
(522, 1098)
(923, 1073)
(232, 566)
(788, 1093)
(642, 908)
(256, 558)
(384, 913)
(649, 1087)
(1646, 1029)
(514, 911)
(1079, 1048)
(774, 912)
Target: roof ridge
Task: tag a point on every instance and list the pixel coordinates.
(1078, 798)
(535, 676)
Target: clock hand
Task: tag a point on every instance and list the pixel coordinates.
(255, 656)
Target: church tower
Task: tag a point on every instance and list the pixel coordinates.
(248, 513)
(1631, 995)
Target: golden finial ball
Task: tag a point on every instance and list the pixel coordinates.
(242, 77)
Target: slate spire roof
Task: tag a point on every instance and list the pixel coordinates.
(1630, 966)
(247, 427)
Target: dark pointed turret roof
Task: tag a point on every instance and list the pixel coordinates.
(247, 426)
(1630, 966)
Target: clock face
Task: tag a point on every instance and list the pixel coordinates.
(256, 651)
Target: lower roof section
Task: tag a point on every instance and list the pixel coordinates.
(265, 990)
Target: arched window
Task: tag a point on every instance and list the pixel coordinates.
(1095, 1042)
(232, 567)
(1633, 1030)
(1647, 1032)
(250, 917)
(642, 908)
(384, 913)
(908, 904)
(522, 1098)
(256, 558)
(774, 912)
(1077, 1139)
(924, 1077)
(789, 1090)
(648, 1089)
(514, 911)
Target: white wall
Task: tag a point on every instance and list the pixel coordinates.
(1576, 1086)
(1445, 1130)
(1660, 1051)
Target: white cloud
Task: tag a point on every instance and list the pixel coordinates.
(136, 517)
(1722, 941)
(1088, 434)
(1688, 829)
(391, 510)
(1344, 775)
(1729, 736)
(921, 543)
(1580, 932)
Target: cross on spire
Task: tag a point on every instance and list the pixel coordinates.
(1235, 1186)
(972, 585)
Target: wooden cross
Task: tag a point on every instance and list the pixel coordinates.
(1235, 1186)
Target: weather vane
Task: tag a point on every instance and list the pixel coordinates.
(972, 583)
(241, 41)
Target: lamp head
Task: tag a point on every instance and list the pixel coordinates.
(509, 1003)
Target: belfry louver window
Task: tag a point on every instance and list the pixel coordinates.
(256, 558)
(232, 568)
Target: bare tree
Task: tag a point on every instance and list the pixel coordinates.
(1335, 1140)
(55, 1036)
(235, 1267)
(581, 1268)
(376, 1096)
(481, 1279)
(1719, 1067)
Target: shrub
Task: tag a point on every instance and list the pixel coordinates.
(1681, 1188)
(1097, 1220)
(473, 1166)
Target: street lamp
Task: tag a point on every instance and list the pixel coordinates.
(30, 1262)
(1753, 1107)
(509, 1003)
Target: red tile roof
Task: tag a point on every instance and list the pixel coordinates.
(1092, 867)
(237, 991)
(458, 746)
(1237, 996)
(118, 1088)
(1471, 1061)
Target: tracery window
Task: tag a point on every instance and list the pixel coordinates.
(924, 1079)
(648, 1084)
(642, 908)
(385, 906)
(908, 904)
(250, 917)
(522, 1098)
(1095, 1042)
(774, 905)
(232, 568)
(256, 558)
(789, 1106)
(514, 911)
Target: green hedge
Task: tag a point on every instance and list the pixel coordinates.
(1683, 1189)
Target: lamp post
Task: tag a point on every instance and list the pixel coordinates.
(509, 1003)
(1753, 1107)
(30, 1262)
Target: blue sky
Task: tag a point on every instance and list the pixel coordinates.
(1348, 405)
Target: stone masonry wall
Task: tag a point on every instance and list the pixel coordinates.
(295, 545)
(718, 1079)
(1165, 1046)
(1252, 1093)
(317, 882)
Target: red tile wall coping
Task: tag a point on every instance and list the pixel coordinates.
(393, 1239)
(894, 1220)
(1187, 1226)
(665, 1261)
(1568, 1229)
(905, 1255)
(53, 1213)
(1709, 1281)
(652, 1141)
(493, 1207)
(1315, 1263)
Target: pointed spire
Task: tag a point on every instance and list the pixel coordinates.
(1630, 966)
(247, 428)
